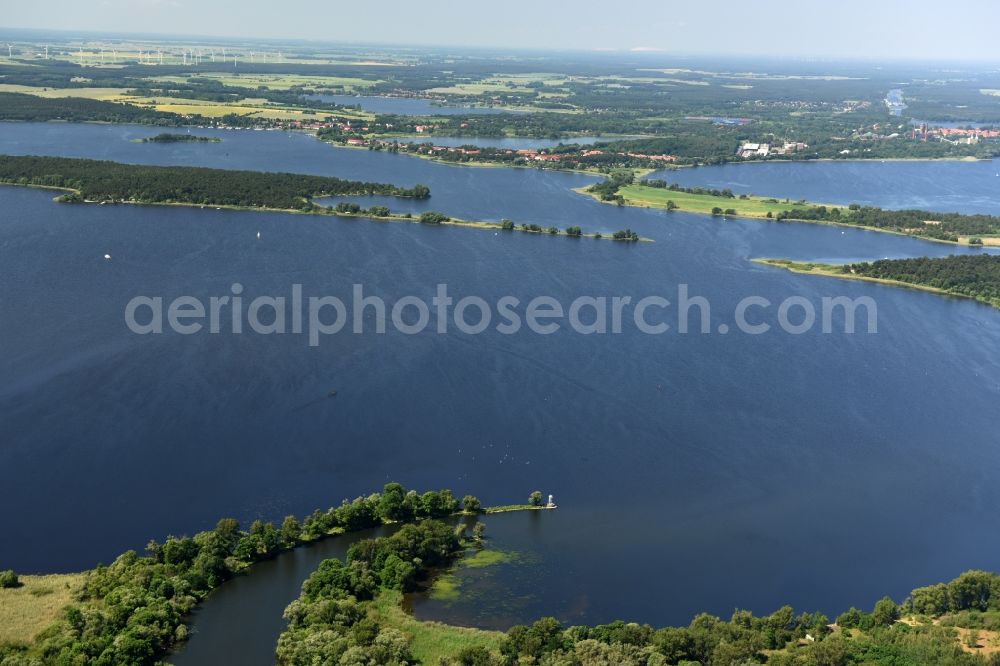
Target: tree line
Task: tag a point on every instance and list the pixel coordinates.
(940, 226)
(95, 180)
(974, 275)
(18, 106)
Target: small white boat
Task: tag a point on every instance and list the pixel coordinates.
(107, 257)
(258, 235)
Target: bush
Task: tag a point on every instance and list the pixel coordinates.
(348, 207)
(507, 225)
(433, 217)
(9, 579)
(574, 231)
(625, 235)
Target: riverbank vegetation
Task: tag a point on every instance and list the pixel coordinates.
(975, 276)
(350, 612)
(953, 624)
(132, 612)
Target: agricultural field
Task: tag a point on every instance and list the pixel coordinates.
(275, 81)
(104, 94)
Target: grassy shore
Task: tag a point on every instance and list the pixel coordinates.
(429, 641)
(837, 271)
(27, 610)
(752, 206)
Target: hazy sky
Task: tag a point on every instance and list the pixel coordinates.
(959, 29)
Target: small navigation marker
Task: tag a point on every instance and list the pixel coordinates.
(258, 235)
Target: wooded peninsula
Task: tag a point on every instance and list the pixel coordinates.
(101, 181)
(95, 181)
(975, 276)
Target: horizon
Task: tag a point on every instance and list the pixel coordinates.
(887, 33)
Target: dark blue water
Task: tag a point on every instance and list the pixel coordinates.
(405, 106)
(946, 185)
(693, 472)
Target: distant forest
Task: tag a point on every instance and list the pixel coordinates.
(17, 106)
(95, 180)
(976, 276)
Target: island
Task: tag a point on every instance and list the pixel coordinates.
(104, 182)
(169, 137)
(975, 276)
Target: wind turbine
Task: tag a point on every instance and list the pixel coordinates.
(161, 56)
(102, 55)
(46, 51)
(212, 54)
(251, 57)
(10, 51)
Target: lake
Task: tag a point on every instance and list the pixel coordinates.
(693, 472)
(406, 106)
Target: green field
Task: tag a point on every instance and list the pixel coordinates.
(754, 206)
